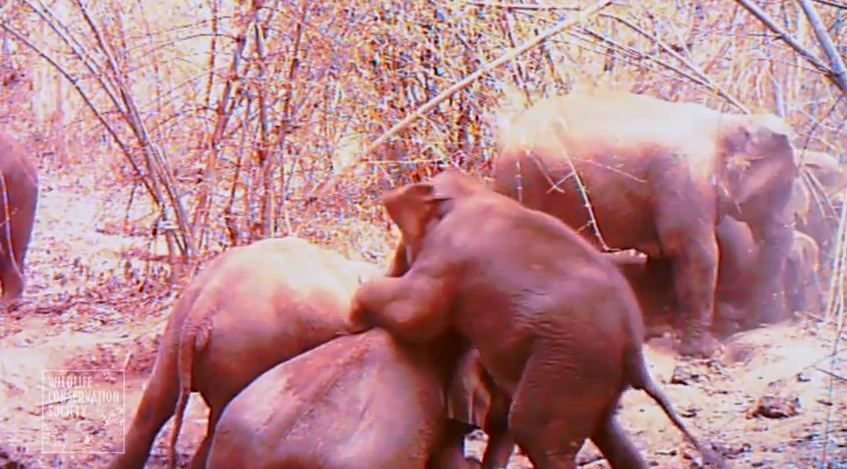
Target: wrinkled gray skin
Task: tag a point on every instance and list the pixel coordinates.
(18, 200)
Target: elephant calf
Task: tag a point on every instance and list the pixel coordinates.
(557, 327)
(800, 284)
(252, 307)
(18, 200)
(359, 401)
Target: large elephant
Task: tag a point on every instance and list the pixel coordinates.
(490, 269)
(360, 401)
(252, 307)
(630, 171)
(18, 204)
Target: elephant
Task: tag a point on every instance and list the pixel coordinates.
(19, 202)
(738, 251)
(358, 401)
(488, 268)
(816, 195)
(250, 308)
(630, 171)
(803, 287)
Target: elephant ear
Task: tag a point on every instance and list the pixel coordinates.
(759, 153)
(411, 207)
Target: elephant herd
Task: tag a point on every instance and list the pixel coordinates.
(517, 306)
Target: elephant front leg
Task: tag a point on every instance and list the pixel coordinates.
(413, 308)
(695, 268)
(775, 239)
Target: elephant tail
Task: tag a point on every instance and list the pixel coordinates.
(639, 378)
(194, 336)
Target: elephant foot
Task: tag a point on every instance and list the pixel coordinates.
(698, 346)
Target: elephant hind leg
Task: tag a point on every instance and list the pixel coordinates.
(198, 461)
(156, 407)
(612, 441)
(556, 406)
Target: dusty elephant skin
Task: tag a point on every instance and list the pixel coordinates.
(18, 201)
(658, 176)
(801, 285)
(249, 309)
(546, 311)
(359, 401)
(738, 249)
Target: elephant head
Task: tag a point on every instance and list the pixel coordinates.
(415, 206)
(759, 160)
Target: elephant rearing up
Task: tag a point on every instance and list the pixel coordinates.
(658, 177)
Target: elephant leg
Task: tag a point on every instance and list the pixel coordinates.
(15, 233)
(450, 453)
(775, 236)
(695, 269)
(617, 448)
(499, 449)
(198, 461)
(413, 308)
(553, 429)
(500, 443)
(156, 407)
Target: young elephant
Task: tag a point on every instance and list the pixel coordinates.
(252, 307)
(18, 200)
(359, 401)
(815, 195)
(803, 288)
(738, 250)
(562, 339)
(658, 176)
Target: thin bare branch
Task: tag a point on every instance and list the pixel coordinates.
(838, 73)
(464, 83)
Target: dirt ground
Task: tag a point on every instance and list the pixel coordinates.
(776, 397)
